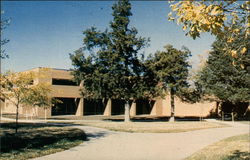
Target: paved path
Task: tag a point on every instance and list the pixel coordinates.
(108, 145)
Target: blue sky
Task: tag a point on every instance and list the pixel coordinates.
(42, 34)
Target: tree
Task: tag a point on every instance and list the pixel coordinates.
(4, 24)
(113, 68)
(39, 97)
(216, 17)
(224, 78)
(19, 89)
(209, 16)
(171, 69)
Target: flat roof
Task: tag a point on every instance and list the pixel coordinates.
(61, 69)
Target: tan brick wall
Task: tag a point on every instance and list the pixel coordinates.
(8, 107)
(187, 109)
(65, 91)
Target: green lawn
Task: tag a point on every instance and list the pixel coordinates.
(34, 140)
(233, 148)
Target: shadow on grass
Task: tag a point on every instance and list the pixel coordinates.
(153, 119)
(96, 135)
(238, 155)
(11, 125)
(36, 135)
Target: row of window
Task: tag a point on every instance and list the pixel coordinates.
(65, 82)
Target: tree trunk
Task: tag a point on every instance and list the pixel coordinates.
(17, 117)
(45, 114)
(217, 110)
(126, 114)
(0, 86)
(172, 119)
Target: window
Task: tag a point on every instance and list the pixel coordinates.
(31, 82)
(63, 82)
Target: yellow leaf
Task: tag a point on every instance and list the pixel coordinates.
(248, 24)
(184, 28)
(170, 14)
(242, 66)
(215, 11)
(224, 18)
(170, 18)
(244, 49)
(218, 24)
(233, 53)
(236, 30)
(174, 7)
(230, 40)
(208, 9)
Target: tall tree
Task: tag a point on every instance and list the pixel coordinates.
(18, 89)
(171, 68)
(227, 78)
(113, 68)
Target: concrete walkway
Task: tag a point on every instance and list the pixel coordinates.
(108, 145)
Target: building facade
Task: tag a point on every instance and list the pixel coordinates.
(68, 92)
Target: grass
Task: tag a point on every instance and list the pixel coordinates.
(27, 153)
(233, 148)
(244, 122)
(153, 127)
(34, 140)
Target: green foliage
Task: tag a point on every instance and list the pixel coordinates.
(171, 68)
(191, 94)
(109, 65)
(224, 77)
(171, 71)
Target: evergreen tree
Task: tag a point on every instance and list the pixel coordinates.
(113, 68)
(171, 69)
(226, 78)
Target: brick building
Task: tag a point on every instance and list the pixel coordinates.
(67, 91)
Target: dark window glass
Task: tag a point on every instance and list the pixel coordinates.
(67, 106)
(31, 82)
(93, 107)
(63, 82)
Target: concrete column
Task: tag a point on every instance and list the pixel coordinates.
(47, 112)
(107, 111)
(80, 108)
(133, 109)
(157, 109)
(126, 114)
